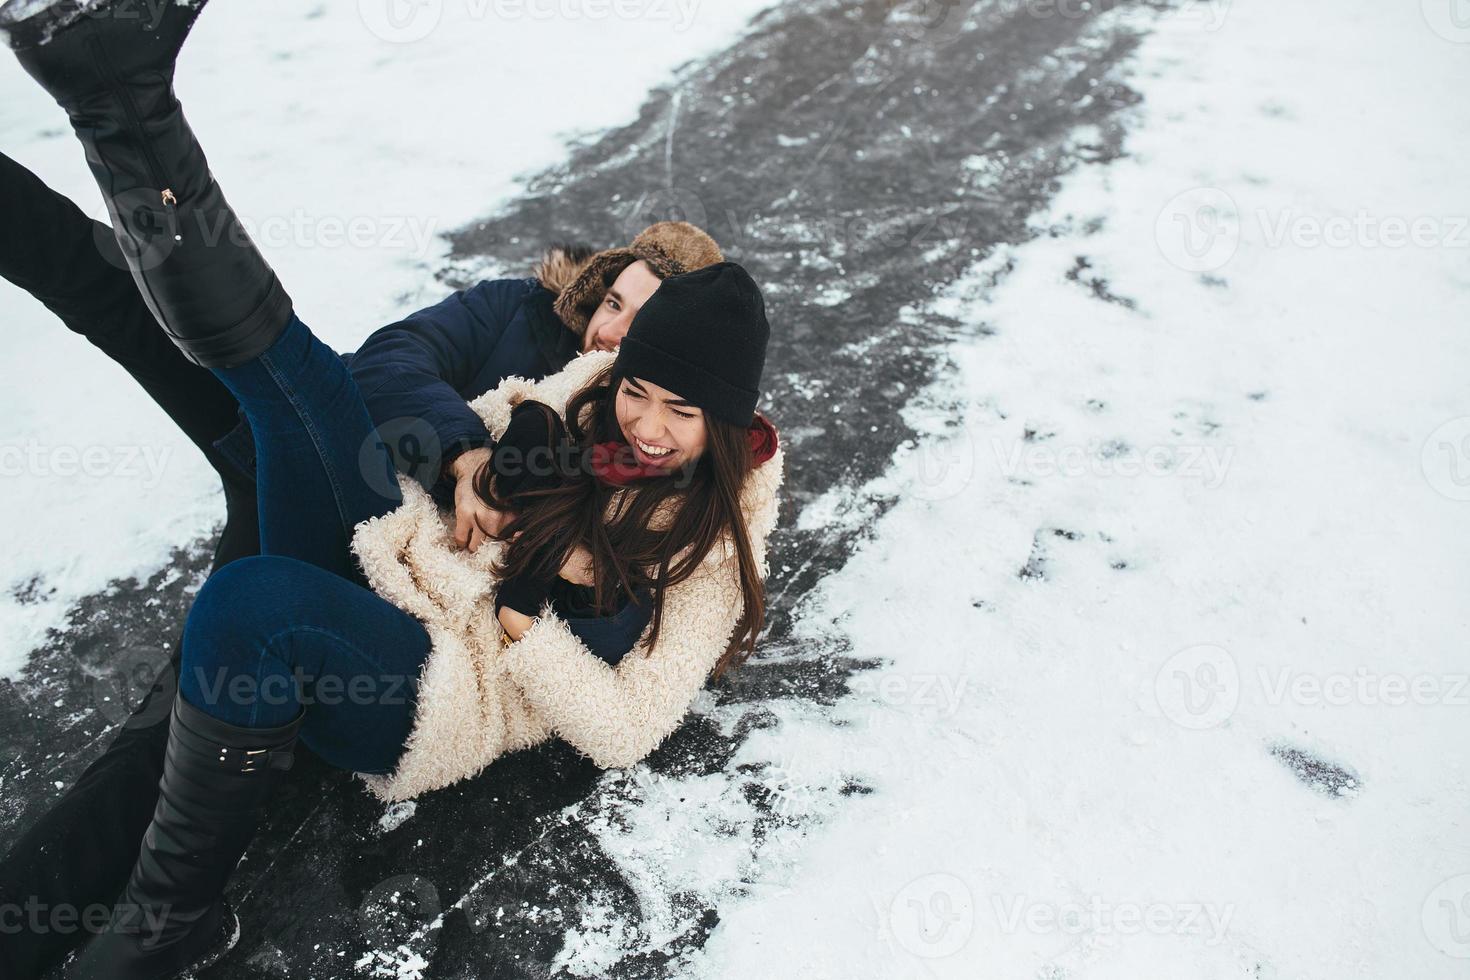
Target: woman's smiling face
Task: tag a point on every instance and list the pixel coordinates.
(663, 429)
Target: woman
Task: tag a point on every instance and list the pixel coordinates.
(428, 681)
(424, 366)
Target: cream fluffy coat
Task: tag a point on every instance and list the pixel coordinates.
(477, 699)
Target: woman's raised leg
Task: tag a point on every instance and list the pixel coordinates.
(193, 263)
(320, 468)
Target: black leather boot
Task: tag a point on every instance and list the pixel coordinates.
(172, 918)
(110, 65)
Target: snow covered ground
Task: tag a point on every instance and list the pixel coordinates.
(1170, 606)
(1173, 620)
(349, 136)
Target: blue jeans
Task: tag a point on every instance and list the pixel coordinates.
(296, 628)
(270, 636)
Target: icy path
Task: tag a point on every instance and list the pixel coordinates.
(1172, 627)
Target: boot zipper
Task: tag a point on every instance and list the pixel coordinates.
(166, 196)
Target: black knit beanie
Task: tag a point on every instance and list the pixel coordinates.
(702, 335)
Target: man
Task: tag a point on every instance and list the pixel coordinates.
(416, 376)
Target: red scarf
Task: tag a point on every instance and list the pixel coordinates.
(615, 464)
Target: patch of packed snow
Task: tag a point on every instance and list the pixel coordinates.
(398, 964)
(396, 815)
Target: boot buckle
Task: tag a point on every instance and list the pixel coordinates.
(254, 760)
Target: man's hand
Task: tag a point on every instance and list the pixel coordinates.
(474, 520)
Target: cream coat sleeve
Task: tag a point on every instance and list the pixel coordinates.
(617, 716)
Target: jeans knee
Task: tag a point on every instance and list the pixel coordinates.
(238, 607)
(234, 597)
(231, 623)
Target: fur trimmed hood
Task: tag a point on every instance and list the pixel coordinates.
(478, 699)
(581, 278)
(562, 264)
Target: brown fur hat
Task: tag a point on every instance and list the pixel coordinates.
(581, 281)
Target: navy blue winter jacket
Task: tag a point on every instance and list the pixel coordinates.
(427, 365)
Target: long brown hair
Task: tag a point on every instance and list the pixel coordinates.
(695, 507)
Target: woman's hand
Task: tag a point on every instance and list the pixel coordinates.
(577, 569)
(475, 521)
(514, 623)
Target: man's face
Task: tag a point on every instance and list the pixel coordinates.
(625, 297)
